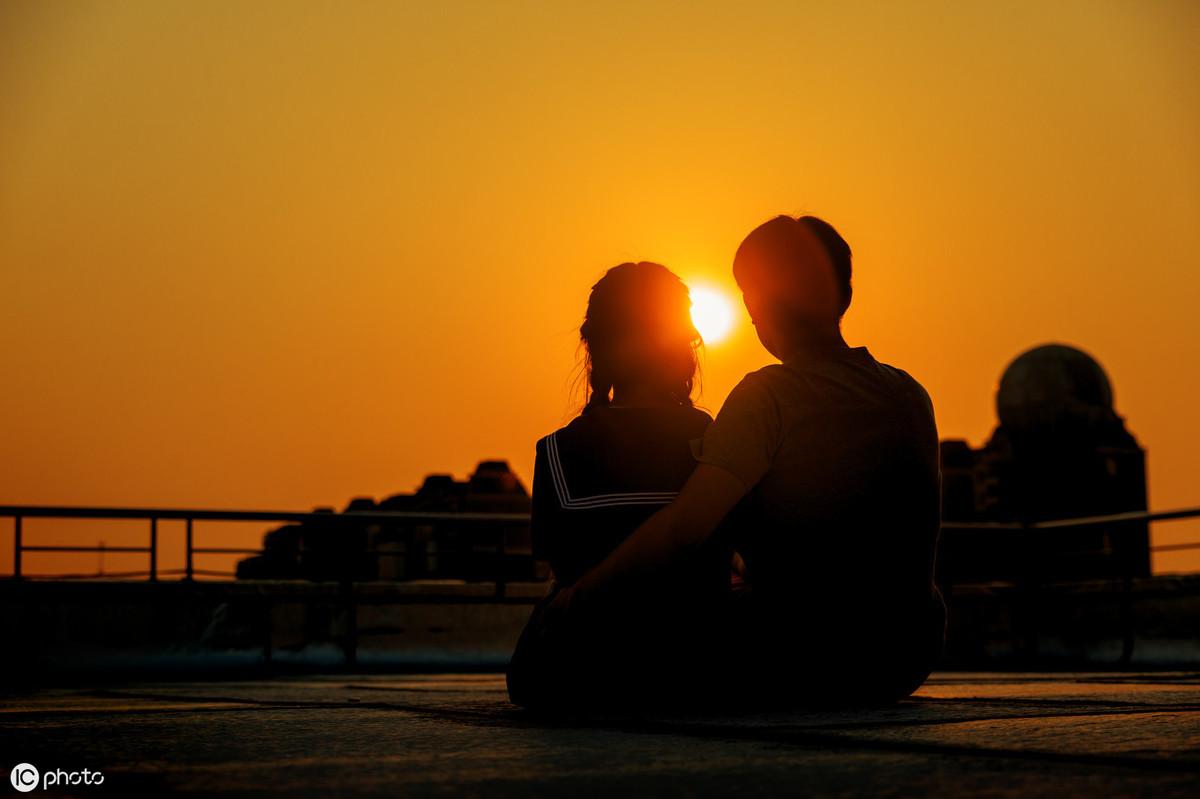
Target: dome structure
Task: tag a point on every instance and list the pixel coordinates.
(1054, 387)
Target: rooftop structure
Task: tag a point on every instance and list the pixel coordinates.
(1059, 451)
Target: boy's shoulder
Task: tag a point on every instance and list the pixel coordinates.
(766, 378)
(766, 374)
(777, 378)
(902, 378)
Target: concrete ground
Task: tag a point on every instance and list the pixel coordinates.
(962, 734)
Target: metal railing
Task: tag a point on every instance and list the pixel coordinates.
(349, 597)
(18, 513)
(189, 516)
(1030, 584)
(1108, 520)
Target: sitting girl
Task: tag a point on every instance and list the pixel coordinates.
(623, 458)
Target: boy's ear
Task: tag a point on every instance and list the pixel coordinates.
(752, 307)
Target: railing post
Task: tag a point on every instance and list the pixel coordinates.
(1029, 589)
(1129, 622)
(188, 570)
(268, 634)
(346, 563)
(153, 549)
(350, 607)
(16, 547)
(500, 564)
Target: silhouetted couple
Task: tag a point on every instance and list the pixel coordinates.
(780, 555)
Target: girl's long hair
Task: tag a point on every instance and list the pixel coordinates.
(638, 326)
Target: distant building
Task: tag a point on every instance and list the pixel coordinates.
(404, 549)
(1059, 451)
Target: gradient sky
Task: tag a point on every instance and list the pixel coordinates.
(278, 254)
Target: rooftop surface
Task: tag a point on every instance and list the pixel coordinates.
(974, 734)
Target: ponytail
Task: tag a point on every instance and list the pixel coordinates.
(599, 387)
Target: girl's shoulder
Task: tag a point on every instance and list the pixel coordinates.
(603, 422)
(698, 417)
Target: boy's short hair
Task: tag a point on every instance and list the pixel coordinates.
(800, 264)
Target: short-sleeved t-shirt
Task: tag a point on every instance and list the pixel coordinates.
(839, 454)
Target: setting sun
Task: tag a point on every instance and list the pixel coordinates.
(712, 314)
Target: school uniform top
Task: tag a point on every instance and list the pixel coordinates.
(605, 473)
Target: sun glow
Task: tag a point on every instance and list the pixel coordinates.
(712, 314)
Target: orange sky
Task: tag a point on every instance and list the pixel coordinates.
(281, 254)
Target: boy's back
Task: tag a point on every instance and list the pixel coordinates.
(840, 455)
